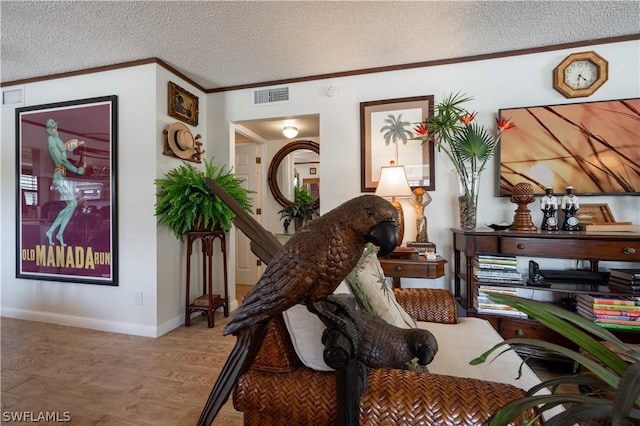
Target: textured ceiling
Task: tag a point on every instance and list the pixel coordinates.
(228, 43)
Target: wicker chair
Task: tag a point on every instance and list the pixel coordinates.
(279, 390)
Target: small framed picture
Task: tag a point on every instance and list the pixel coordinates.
(183, 105)
(312, 170)
(594, 213)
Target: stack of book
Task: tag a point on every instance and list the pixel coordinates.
(497, 269)
(484, 305)
(619, 312)
(624, 279)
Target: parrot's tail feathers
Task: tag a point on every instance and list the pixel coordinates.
(239, 360)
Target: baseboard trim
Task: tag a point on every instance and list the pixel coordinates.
(73, 321)
(102, 325)
(172, 324)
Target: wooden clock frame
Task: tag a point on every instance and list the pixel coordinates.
(559, 77)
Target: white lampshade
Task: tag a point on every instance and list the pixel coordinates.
(290, 131)
(393, 182)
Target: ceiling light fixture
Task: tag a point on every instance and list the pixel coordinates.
(290, 131)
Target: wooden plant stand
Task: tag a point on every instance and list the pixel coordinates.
(208, 302)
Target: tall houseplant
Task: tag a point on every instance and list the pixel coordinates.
(468, 145)
(613, 376)
(185, 202)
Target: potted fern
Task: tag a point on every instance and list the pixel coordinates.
(185, 202)
(610, 372)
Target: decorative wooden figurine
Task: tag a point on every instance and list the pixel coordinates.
(570, 206)
(422, 244)
(522, 195)
(549, 207)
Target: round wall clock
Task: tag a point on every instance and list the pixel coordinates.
(580, 74)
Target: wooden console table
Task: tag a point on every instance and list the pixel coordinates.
(208, 302)
(591, 246)
(413, 267)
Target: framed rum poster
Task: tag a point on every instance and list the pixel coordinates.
(66, 191)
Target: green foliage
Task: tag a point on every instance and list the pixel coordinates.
(303, 209)
(446, 120)
(615, 374)
(184, 200)
(473, 143)
(302, 195)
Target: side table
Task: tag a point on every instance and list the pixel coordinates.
(208, 302)
(415, 266)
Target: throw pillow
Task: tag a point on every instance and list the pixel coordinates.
(374, 294)
(305, 330)
(368, 284)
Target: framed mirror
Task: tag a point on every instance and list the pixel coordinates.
(286, 171)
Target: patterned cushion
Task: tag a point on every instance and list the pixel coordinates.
(373, 292)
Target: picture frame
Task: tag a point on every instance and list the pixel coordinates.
(592, 146)
(312, 170)
(66, 191)
(417, 158)
(183, 105)
(594, 213)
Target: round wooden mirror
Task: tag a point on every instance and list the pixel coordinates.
(279, 163)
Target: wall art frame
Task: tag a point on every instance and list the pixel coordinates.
(417, 158)
(66, 191)
(594, 213)
(592, 146)
(183, 105)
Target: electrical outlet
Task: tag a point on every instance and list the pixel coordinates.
(39, 288)
(138, 300)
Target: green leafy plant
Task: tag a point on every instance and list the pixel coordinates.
(185, 202)
(468, 145)
(303, 209)
(452, 128)
(613, 376)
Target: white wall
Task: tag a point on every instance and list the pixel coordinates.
(497, 83)
(151, 260)
(94, 305)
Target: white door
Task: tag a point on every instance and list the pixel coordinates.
(246, 168)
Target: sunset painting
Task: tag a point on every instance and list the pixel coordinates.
(593, 146)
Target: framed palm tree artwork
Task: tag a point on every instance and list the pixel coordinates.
(387, 134)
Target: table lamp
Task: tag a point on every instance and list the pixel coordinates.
(393, 183)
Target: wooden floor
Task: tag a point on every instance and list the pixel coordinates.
(101, 378)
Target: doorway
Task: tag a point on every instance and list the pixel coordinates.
(262, 138)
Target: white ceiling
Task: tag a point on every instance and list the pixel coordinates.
(228, 43)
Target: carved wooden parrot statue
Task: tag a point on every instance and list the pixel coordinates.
(307, 269)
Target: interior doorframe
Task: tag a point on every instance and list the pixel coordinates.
(260, 143)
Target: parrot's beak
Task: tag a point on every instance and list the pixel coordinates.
(385, 236)
(425, 354)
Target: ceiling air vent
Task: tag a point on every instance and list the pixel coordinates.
(270, 96)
